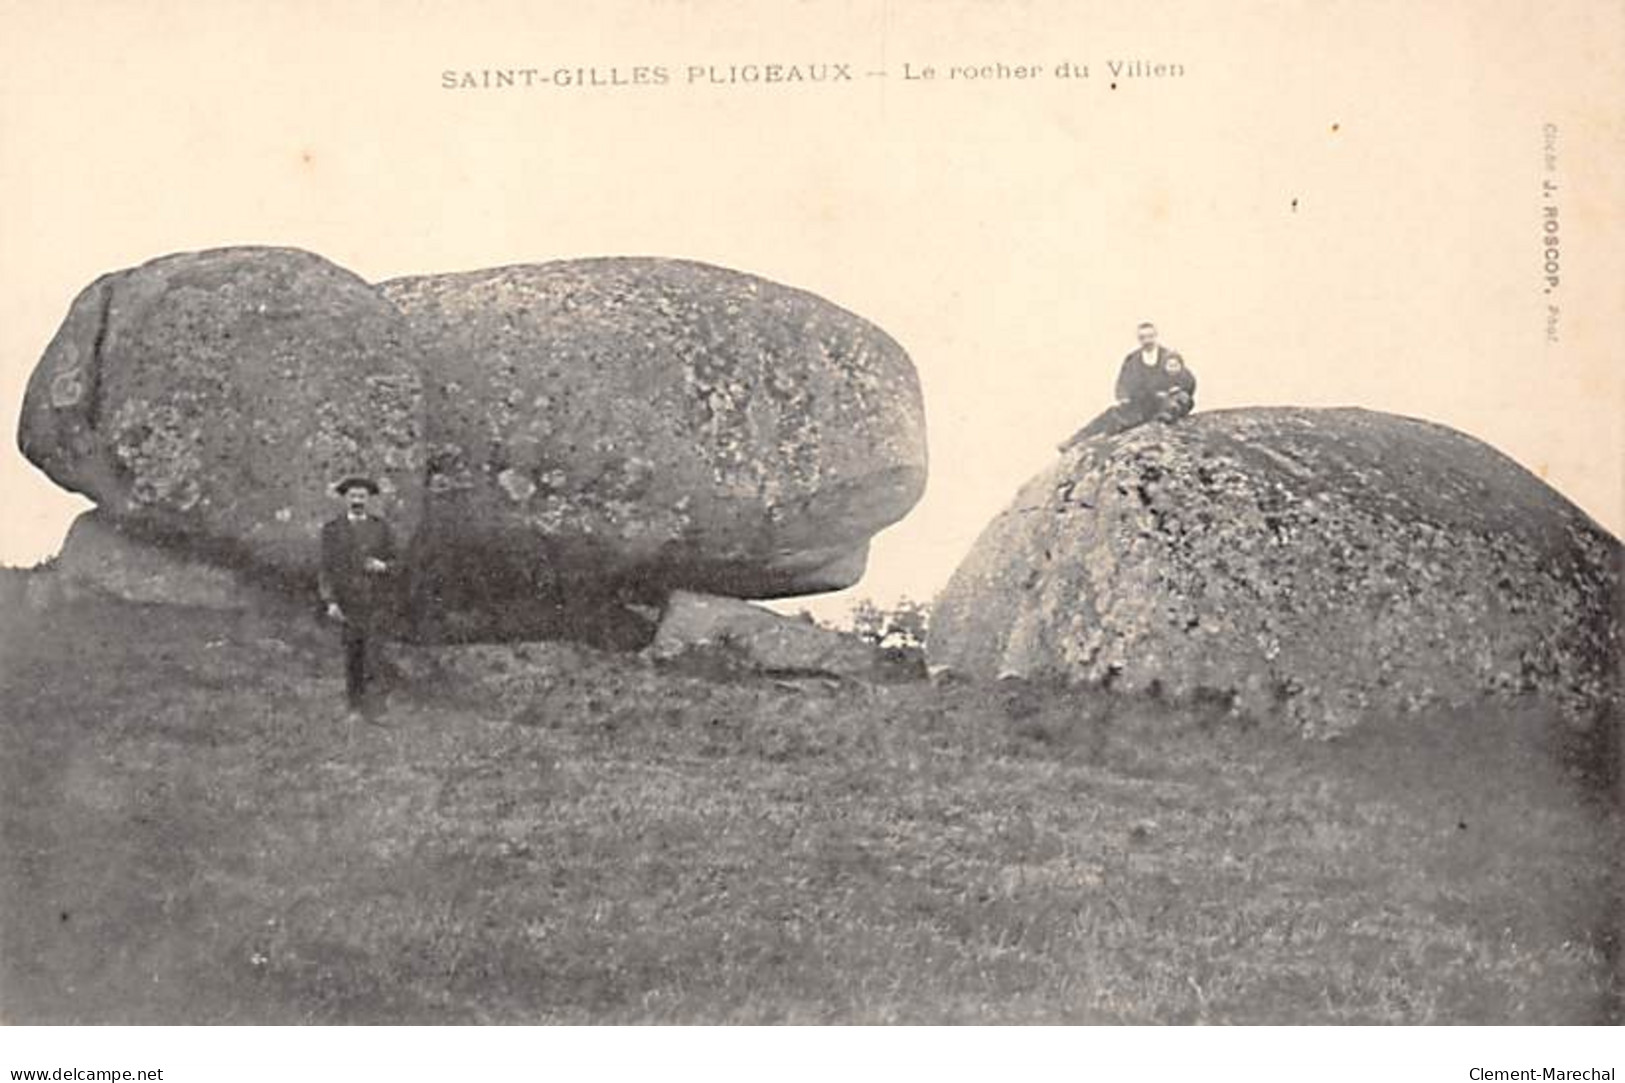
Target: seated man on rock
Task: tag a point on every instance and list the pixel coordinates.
(1153, 385)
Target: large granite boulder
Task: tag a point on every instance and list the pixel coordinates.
(1318, 566)
(560, 445)
(214, 397)
(606, 430)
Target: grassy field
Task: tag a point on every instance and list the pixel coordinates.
(191, 832)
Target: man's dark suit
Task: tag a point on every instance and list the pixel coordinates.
(1165, 390)
(363, 597)
(1139, 384)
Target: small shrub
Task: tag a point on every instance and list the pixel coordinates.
(898, 632)
(903, 626)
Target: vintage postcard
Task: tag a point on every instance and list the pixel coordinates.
(696, 511)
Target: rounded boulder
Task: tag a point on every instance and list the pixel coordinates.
(213, 398)
(1316, 566)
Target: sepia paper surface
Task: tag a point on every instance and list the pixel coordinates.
(1412, 206)
(1318, 203)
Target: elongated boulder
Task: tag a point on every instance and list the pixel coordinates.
(607, 429)
(212, 398)
(1315, 566)
(758, 637)
(100, 558)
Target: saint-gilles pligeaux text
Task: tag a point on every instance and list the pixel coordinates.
(790, 74)
(650, 75)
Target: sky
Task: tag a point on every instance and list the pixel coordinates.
(1336, 203)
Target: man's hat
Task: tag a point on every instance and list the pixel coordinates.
(355, 480)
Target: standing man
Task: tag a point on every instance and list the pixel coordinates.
(358, 555)
(1153, 384)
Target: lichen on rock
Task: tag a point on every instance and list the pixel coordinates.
(214, 397)
(643, 425)
(1311, 565)
(551, 441)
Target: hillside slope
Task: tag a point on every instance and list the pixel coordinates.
(190, 832)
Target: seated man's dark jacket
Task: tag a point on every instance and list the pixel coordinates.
(1139, 384)
(365, 597)
(1144, 393)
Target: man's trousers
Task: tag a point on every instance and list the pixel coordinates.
(360, 663)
